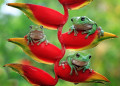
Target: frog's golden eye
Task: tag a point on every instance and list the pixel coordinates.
(82, 18)
(72, 20)
(90, 56)
(78, 55)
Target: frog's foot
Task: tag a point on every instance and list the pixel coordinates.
(75, 32)
(85, 68)
(63, 65)
(86, 36)
(90, 70)
(39, 42)
(47, 42)
(72, 67)
(30, 41)
(101, 33)
(70, 32)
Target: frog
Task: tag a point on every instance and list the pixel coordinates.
(85, 24)
(36, 34)
(79, 61)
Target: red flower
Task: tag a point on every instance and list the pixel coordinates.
(47, 54)
(80, 43)
(35, 76)
(75, 4)
(40, 15)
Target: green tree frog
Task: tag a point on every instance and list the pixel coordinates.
(85, 24)
(78, 61)
(36, 34)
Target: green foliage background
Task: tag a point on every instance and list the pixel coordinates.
(105, 57)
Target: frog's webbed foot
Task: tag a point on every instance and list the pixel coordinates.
(86, 36)
(39, 42)
(29, 41)
(47, 42)
(75, 32)
(71, 30)
(100, 32)
(90, 70)
(72, 67)
(85, 68)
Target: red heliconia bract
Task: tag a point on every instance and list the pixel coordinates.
(80, 43)
(40, 15)
(82, 77)
(35, 76)
(43, 53)
(75, 4)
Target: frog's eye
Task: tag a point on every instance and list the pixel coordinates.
(89, 56)
(41, 26)
(78, 55)
(30, 26)
(82, 18)
(72, 20)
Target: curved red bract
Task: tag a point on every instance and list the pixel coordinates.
(47, 16)
(48, 53)
(74, 4)
(39, 77)
(82, 77)
(75, 42)
(65, 74)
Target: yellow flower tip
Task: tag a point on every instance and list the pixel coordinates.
(109, 35)
(97, 78)
(17, 5)
(16, 67)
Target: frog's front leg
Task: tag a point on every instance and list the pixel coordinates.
(69, 60)
(94, 27)
(29, 40)
(86, 67)
(75, 32)
(41, 40)
(73, 67)
(71, 29)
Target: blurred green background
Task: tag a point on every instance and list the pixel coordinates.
(105, 57)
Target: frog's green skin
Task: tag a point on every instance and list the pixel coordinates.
(82, 59)
(36, 34)
(83, 23)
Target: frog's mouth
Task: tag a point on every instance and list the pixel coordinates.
(79, 63)
(83, 26)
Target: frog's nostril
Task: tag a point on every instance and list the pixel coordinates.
(82, 18)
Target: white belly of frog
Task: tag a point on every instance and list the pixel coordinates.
(83, 27)
(36, 35)
(79, 63)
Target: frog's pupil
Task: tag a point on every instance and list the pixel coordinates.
(77, 55)
(82, 18)
(89, 57)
